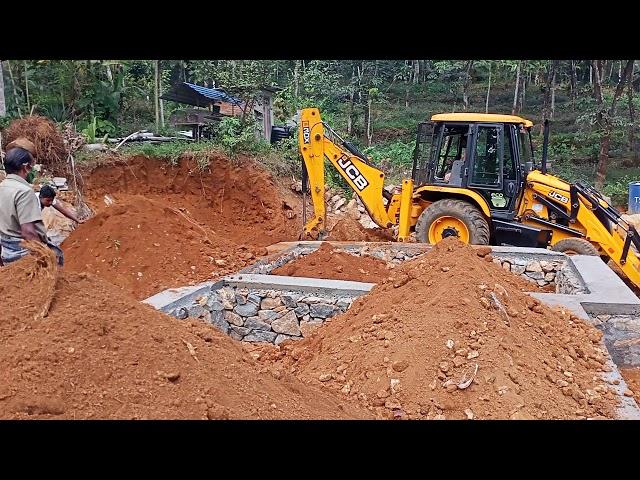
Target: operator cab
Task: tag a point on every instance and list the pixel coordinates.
(489, 154)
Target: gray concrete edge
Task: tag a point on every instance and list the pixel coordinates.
(170, 299)
(299, 284)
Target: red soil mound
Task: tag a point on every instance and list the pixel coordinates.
(328, 263)
(451, 335)
(101, 354)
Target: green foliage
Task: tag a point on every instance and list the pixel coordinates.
(283, 158)
(97, 130)
(5, 121)
(172, 151)
(618, 189)
(335, 181)
(116, 97)
(234, 137)
(396, 154)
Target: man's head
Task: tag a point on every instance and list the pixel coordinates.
(47, 195)
(18, 161)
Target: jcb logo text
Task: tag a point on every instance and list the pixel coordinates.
(353, 173)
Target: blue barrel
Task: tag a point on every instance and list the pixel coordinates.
(634, 197)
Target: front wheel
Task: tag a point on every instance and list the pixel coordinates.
(452, 218)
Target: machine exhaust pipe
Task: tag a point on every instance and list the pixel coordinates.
(545, 146)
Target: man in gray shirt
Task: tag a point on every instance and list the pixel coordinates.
(20, 211)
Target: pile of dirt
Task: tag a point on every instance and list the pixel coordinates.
(451, 335)
(160, 226)
(349, 229)
(326, 262)
(33, 277)
(145, 246)
(101, 354)
(48, 140)
(632, 377)
(239, 200)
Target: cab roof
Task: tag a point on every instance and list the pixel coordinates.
(480, 117)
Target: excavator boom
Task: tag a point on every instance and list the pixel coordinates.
(318, 142)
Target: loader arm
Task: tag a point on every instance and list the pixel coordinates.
(317, 141)
(587, 215)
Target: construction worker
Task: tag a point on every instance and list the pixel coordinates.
(48, 199)
(28, 145)
(20, 210)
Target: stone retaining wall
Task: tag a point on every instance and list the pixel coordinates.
(264, 315)
(275, 315)
(622, 337)
(555, 271)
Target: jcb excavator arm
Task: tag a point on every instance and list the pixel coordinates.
(588, 215)
(317, 141)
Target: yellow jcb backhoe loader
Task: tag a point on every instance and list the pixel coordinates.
(474, 177)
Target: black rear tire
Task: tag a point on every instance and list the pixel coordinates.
(468, 214)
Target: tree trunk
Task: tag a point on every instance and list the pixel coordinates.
(369, 127)
(515, 93)
(554, 71)
(605, 118)
(486, 104)
(603, 157)
(632, 126)
(160, 94)
(352, 98)
(416, 71)
(3, 105)
(156, 94)
(620, 70)
(547, 94)
(15, 90)
(26, 85)
(406, 96)
(466, 85)
(296, 79)
(573, 84)
(600, 121)
(523, 79)
(611, 71)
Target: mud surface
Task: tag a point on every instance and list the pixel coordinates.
(326, 262)
(349, 229)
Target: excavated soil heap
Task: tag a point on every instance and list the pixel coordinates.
(349, 229)
(326, 262)
(101, 354)
(49, 143)
(451, 335)
(239, 200)
(171, 226)
(145, 246)
(32, 277)
(632, 377)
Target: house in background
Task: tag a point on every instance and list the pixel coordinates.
(213, 104)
